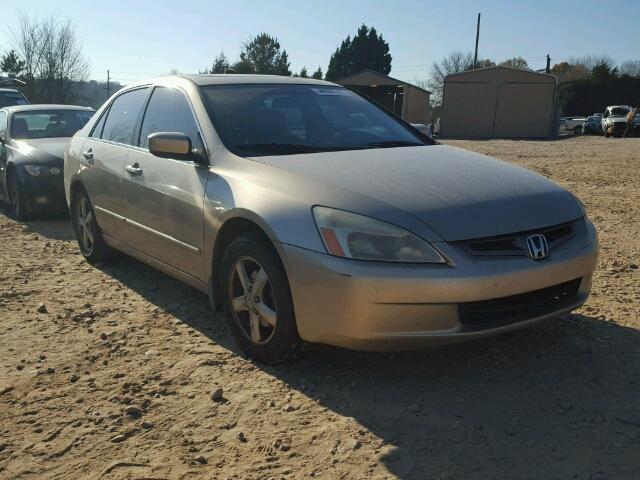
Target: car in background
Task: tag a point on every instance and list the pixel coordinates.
(309, 213)
(32, 143)
(614, 120)
(572, 124)
(10, 97)
(591, 125)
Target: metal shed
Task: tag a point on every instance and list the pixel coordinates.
(498, 102)
(404, 99)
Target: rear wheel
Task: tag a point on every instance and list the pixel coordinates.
(16, 197)
(257, 300)
(88, 232)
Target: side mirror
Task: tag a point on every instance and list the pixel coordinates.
(174, 145)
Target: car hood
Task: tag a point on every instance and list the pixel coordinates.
(458, 194)
(46, 151)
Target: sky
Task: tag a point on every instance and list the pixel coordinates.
(141, 38)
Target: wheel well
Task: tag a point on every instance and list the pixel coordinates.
(230, 230)
(76, 187)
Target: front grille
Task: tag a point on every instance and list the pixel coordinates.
(516, 308)
(514, 244)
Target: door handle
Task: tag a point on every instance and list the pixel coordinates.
(88, 156)
(134, 169)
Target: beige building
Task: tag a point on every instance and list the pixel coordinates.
(498, 102)
(405, 100)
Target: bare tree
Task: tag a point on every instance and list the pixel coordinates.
(631, 68)
(53, 58)
(455, 62)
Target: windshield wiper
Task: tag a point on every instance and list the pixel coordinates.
(394, 143)
(288, 148)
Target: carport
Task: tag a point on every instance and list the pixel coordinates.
(498, 102)
(404, 99)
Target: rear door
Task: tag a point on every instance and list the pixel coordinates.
(164, 196)
(104, 156)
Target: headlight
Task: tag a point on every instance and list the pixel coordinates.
(41, 170)
(355, 236)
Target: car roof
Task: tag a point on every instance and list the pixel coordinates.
(231, 79)
(12, 90)
(45, 106)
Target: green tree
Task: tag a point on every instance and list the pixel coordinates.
(220, 63)
(604, 71)
(367, 50)
(303, 73)
(264, 56)
(11, 64)
(317, 74)
(516, 62)
(241, 66)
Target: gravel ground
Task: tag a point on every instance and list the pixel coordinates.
(109, 372)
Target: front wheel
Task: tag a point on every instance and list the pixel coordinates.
(88, 232)
(257, 300)
(16, 197)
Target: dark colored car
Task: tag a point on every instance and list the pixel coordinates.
(32, 143)
(10, 97)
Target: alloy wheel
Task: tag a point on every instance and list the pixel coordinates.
(86, 225)
(252, 300)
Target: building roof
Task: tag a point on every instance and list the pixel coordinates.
(500, 74)
(366, 76)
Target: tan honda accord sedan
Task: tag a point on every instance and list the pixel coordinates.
(310, 214)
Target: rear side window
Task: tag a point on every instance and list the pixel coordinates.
(169, 111)
(123, 114)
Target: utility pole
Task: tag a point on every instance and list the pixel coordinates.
(475, 57)
(108, 84)
(548, 69)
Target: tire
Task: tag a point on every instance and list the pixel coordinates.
(88, 232)
(16, 198)
(577, 130)
(262, 319)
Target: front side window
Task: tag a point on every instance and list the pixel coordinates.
(169, 111)
(281, 119)
(34, 124)
(123, 114)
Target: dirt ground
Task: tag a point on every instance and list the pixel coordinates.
(114, 379)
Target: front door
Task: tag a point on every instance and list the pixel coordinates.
(165, 197)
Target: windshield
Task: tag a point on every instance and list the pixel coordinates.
(9, 99)
(48, 123)
(619, 112)
(281, 119)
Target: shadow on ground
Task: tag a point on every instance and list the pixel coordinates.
(558, 401)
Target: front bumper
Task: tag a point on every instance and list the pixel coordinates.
(379, 306)
(42, 193)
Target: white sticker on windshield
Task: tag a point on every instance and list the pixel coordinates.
(332, 91)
